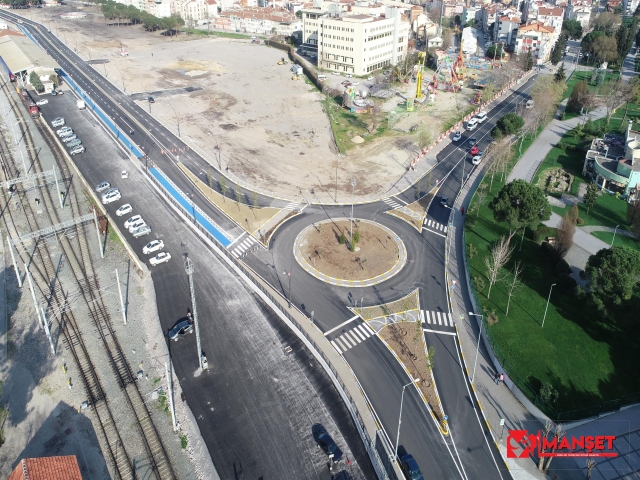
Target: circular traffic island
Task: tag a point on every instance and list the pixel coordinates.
(327, 251)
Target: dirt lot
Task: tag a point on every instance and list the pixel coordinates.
(273, 132)
(323, 251)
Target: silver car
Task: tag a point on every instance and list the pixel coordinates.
(74, 143)
(146, 230)
(69, 138)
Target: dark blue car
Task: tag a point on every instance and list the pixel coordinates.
(324, 440)
(410, 468)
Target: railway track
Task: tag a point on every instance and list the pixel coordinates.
(75, 253)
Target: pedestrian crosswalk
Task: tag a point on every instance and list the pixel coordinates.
(292, 206)
(351, 338)
(392, 202)
(437, 318)
(244, 246)
(435, 225)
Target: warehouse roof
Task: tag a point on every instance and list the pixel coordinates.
(20, 54)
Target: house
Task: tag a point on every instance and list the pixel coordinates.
(47, 468)
(614, 168)
(579, 10)
(536, 37)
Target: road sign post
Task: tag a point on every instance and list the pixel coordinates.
(502, 425)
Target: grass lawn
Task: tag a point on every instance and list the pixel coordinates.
(609, 212)
(581, 75)
(620, 241)
(197, 31)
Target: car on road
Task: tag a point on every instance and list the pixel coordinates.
(111, 197)
(57, 122)
(101, 187)
(180, 329)
(477, 158)
(124, 209)
(162, 257)
(472, 141)
(444, 201)
(355, 83)
(136, 225)
(54, 93)
(63, 131)
(410, 468)
(153, 246)
(457, 136)
(324, 441)
(145, 230)
(42, 102)
(336, 73)
(74, 143)
(77, 149)
(474, 150)
(131, 220)
(69, 138)
(61, 92)
(529, 104)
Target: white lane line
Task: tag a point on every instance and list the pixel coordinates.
(445, 229)
(450, 319)
(437, 233)
(341, 325)
(336, 347)
(438, 331)
(421, 316)
(400, 200)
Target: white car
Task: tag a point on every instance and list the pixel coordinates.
(64, 131)
(133, 219)
(103, 186)
(77, 149)
(369, 78)
(153, 246)
(134, 226)
(336, 73)
(477, 159)
(529, 104)
(160, 258)
(69, 138)
(124, 209)
(42, 102)
(57, 122)
(457, 136)
(111, 197)
(146, 230)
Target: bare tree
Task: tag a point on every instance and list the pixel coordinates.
(612, 95)
(559, 433)
(548, 426)
(502, 153)
(500, 255)
(481, 196)
(564, 236)
(515, 284)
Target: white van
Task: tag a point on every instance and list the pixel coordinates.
(322, 77)
(472, 124)
(481, 117)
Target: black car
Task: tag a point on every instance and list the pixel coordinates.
(444, 201)
(324, 440)
(151, 100)
(410, 468)
(182, 328)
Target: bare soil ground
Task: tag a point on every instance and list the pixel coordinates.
(405, 304)
(407, 341)
(273, 132)
(322, 250)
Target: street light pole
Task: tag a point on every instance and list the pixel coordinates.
(478, 345)
(400, 419)
(189, 269)
(614, 235)
(545, 310)
(353, 186)
(177, 117)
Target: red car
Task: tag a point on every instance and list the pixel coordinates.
(473, 151)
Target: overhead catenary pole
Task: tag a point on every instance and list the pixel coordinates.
(123, 308)
(47, 330)
(33, 295)
(170, 388)
(58, 187)
(95, 220)
(15, 265)
(194, 312)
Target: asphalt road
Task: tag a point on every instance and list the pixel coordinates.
(467, 450)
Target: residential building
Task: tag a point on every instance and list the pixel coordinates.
(160, 9)
(262, 20)
(47, 468)
(357, 44)
(197, 12)
(538, 38)
(506, 30)
(580, 13)
(629, 6)
(470, 13)
(490, 15)
(613, 168)
(551, 17)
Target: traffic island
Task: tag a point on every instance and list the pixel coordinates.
(328, 251)
(415, 212)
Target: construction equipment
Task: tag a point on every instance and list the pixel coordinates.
(422, 56)
(283, 61)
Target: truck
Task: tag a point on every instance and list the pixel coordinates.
(81, 105)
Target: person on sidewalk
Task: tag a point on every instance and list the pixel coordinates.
(501, 378)
(462, 210)
(496, 378)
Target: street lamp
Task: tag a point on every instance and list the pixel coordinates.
(124, 89)
(545, 310)
(478, 345)
(177, 117)
(353, 186)
(614, 234)
(416, 380)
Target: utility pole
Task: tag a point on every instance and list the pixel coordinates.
(170, 388)
(123, 308)
(15, 265)
(189, 269)
(353, 186)
(95, 219)
(33, 295)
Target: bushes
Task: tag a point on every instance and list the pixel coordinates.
(542, 232)
(34, 80)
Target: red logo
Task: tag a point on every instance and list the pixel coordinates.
(522, 444)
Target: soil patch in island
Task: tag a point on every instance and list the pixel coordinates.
(376, 251)
(404, 304)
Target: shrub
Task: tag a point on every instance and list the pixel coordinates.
(542, 232)
(492, 317)
(548, 393)
(341, 238)
(473, 251)
(479, 281)
(567, 283)
(356, 236)
(562, 268)
(579, 221)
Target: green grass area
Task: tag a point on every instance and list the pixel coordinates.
(212, 33)
(608, 212)
(581, 75)
(620, 241)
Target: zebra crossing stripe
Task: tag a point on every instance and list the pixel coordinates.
(421, 316)
(439, 319)
(358, 333)
(355, 339)
(365, 330)
(336, 347)
(429, 224)
(428, 317)
(450, 319)
(341, 342)
(343, 339)
(445, 229)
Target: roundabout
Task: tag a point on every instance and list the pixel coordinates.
(327, 251)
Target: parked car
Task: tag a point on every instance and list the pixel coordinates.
(111, 197)
(410, 468)
(478, 158)
(529, 104)
(54, 93)
(444, 201)
(180, 329)
(153, 246)
(136, 225)
(355, 83)
(42, 102)
(57, 122)
(77, 149)
(74, 143)
(61, 92)
(336, 73)
(145, 230)
(457, 136)
(162, 257)
(474, 151)
(69, 138)
(124, 209)
(324, 440)
(131, 220)
(101, 187)
(151, 100)
(63, 131)
(369, 78)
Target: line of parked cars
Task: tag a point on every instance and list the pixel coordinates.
(70, 139)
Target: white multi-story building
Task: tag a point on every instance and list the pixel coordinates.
(160, 9)
(629, 6)
(538, 38)
(197, 12)
(579, 12)
(263, 20)
(553, 17)
(357, 44)
(506, 30)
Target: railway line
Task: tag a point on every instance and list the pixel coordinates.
(75, 254)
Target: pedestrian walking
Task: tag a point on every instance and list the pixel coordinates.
(502, 378)
(462, 210)
(496, 378)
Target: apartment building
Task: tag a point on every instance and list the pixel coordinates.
(629, 6)
(490, 14)
(576, 10)
(197, 12)
(469, 13)
(357, 44)
(552, 16)
(505, 30)
(536, 37)
(261, 20)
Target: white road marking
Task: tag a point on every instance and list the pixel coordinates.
(341, 325)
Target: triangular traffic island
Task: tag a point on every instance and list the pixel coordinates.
(414, 213)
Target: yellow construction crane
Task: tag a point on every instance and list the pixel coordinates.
(422, 56)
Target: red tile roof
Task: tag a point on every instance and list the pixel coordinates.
(6, 32)
(554, 12)
(47, 468)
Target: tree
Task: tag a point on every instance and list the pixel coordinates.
(587, 42)
(564, 236)
(606, 22)
(425, 137)
(520, 204)
(548, 426)
(481, 196)
(574, 213)
(510, 124)
(546, 94)
(558, 49)
(500, 254)
(527, 61)
(605, 49)
(516, 283)
(34, 80)
(573, 29)
(559, 433)
(238, 195)
(613, 275)
(612, 95)
(495, 51)
(633, 217)
(591, 196)
(560, 75)
(223, 187)
(621, 39)
(580, 90)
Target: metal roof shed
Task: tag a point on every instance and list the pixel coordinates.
(22, 56)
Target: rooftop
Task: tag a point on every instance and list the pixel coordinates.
(47, 468)
(553, 12)
(536, 27)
